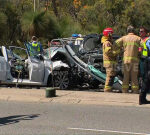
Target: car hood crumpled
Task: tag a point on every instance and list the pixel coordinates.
(59, 64)
(55, 64)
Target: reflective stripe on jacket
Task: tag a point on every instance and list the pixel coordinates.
(145, 50)
(130, 44)
(109, 62)
(109, 58)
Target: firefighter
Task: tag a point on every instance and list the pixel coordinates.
(145, 67)
(35, 47)
(130, 44)
(109, 59)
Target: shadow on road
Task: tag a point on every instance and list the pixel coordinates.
(16, 118)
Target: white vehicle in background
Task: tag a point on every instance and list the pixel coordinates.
(17, 67)
(79, 41)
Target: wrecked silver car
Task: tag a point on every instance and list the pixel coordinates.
(18, 68)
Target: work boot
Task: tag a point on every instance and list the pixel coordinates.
(142, 99)
(107, 90)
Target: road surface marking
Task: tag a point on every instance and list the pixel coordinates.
(110, 131)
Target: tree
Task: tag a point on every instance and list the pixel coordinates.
(3, 25)
(41, 24)
(33, 23)
(68, 26)
(137, 14)
(55, 7)
(13, 22)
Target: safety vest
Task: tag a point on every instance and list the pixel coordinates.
(34, 48)
(145, 50)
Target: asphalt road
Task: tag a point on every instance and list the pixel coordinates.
(19, 118)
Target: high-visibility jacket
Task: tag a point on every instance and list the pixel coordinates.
(34, 48)
(109, 59)
(130, 44)
(145, 49)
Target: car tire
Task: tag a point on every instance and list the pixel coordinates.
(61, 79)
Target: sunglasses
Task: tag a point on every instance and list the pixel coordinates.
(141, 31)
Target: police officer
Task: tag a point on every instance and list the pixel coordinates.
(109, 59)
(144, 36)
(130, 44)
(146, 74)
(35, 47)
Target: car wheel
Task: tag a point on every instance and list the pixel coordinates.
(61, 79)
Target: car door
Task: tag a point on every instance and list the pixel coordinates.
(33, 65)
(3, 63)
(36, 69)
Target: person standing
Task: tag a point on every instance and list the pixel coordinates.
(144, 36)
(144, 67)
(35, 47)
(109, 59)
(130, 44)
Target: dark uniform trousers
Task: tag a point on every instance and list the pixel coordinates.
(146, 78)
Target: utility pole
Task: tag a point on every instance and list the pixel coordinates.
(34, 5)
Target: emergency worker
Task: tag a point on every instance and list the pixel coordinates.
(109, 59)
(35, 47)
(130, 44)
(144, 36)
(145, 67)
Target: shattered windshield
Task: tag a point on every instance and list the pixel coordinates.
(49, 52)
(19, 53)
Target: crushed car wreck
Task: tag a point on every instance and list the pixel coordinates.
(19, 68)
(85, 61)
